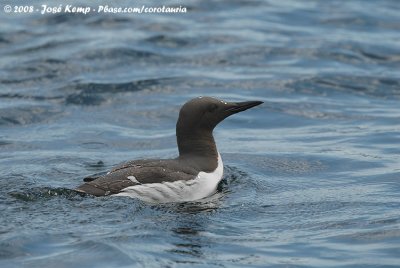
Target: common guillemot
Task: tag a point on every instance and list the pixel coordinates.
(193, 175)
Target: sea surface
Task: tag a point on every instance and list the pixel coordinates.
(312, 176)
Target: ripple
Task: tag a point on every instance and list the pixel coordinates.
(34, 74)
(280, 165)
(168, 41)
(28, 97)
(27, 115)
(56, 250)
(61, 18)
(91, 93)
(84, 98)
(381, 87)
(47, 46)
(124, 54)
(5, 143)
(108, 22)
(40, 193)
(3, 40)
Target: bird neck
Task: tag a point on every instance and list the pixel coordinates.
(199, 147)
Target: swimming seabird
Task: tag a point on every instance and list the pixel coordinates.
(193, 175)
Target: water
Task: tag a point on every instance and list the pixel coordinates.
(311, 177)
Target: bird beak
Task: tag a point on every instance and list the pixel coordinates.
(237, 107)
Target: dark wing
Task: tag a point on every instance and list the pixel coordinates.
(135, 173)
(100, 174)
(93, 177)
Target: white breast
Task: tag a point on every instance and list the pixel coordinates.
(178, 191)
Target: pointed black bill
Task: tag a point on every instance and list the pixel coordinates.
(237, 107)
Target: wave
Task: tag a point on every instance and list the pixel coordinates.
(39, 193)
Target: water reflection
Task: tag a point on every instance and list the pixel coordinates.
(192, 244)
(190, 221)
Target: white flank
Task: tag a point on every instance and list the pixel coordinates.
(133, 179)
(178, 191)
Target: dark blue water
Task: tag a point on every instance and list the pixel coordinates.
(312, 177)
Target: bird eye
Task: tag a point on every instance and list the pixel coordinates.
(212, 108)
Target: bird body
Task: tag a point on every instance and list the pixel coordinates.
(193, 175)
